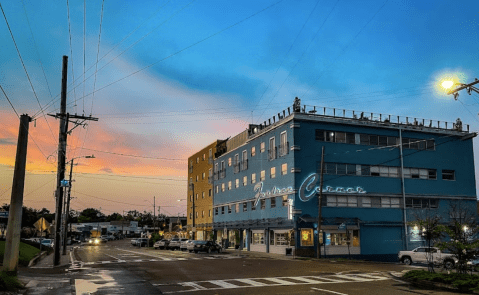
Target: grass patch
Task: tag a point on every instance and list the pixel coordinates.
(463, 282)
(9, 282)
(27, 253)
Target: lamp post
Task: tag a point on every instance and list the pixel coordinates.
(455, 92)
(67, 209)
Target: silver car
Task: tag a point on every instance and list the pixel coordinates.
(184, 244)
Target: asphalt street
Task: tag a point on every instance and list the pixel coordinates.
(117, 267)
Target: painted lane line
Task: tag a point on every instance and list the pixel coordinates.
(251, 282)
(208, 257)
(306, 280)
(89, 263)
(138, 260)
(328, 279)
(224, 284)
(193, 285)
(105, 262)
(181, 259)
(280, 282)
(153, 260)
(328, 291)
(144, 254)
(373, 276)
(353, 278)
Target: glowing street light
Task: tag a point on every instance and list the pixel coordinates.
(447, 84)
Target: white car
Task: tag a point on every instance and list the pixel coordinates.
(47, 242)
(184, 244)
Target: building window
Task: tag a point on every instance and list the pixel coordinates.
(262, 176)
(245, 180)
(262, 147)
(196, 178)
(222, 209)
(209, 213)
(197, 196)
(237, 183)
(196, 214)
(245, 207)
(366, 202)
(263, 204)
(307, 237)
(237, 208)
(342, 201)
(217, 189)
(210, 153)
(253, 178)
(258, 238)
(281, 239)
(203, 195)
(273, 202)
(253, 207)
(191, 215)
(210, 192)
(253, 151)
(197, 159)
(216, 210)
(229, 185)
(191, 198)
(273, 172)
(285, 201)
(204, 157)
(284, 169)
(202, 213)
(203, 175)
(229, 162)
(222, 187)
(229, 209)
(422, 203)
(448, 175)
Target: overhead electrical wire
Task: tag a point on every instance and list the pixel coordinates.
(188, 47)
(25, 69)
(136, 156)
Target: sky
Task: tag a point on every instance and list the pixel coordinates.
(167, 78)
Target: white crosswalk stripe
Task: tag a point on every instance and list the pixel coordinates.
(159, 259)
(275, 281)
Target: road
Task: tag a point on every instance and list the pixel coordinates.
(117, 267)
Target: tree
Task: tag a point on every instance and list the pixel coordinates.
(428, 224)
(114, 217)
(462, 231)
(90, 215)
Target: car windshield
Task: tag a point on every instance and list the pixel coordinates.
(200, 242)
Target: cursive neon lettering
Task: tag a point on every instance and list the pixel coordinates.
(308, 188)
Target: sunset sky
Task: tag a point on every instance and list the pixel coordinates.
(173, 76)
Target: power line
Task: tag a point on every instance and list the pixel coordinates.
(26, 72)
(155, 183)
(139, 177)
(84, 51)
(188, 47)
(347, 46)
(135, 156)
(6, 96)
(71, 50)
(97, 54)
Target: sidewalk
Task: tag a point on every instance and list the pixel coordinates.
(44, 278)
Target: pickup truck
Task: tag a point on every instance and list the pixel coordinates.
(420, 255)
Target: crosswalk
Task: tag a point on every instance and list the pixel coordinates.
(79, 264)
(211, 285)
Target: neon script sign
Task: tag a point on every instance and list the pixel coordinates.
(308, 188)
(258, 189)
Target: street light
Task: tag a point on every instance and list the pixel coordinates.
(67, 209)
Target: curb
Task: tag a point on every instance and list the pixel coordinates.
(37, 258)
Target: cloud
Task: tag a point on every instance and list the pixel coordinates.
(107, 170)
(7, 141)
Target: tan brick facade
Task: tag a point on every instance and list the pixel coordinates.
(200, 174)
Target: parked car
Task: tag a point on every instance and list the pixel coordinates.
(184, 244)
(133, 242)
(142, 242)
(174, 244)
(420, 255)
(204, 246)
(47, 242)
(161, 244)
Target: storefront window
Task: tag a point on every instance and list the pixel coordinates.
(281, 239)
(307, 237)
(258, 238)
(271, 237)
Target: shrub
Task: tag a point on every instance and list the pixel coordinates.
(9, 282)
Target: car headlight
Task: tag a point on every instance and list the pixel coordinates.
(97, 241)
(90, 241)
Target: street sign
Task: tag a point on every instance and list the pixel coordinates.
(4, 214)
(342, 226)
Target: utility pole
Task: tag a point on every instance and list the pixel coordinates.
(67, 211)
(154, 214)
(320, 198)
(12, 243)
(62, 144)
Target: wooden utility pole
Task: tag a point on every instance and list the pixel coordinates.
(12, 244)
(154, 214)
(67, 211)
(62, 145)
(320, 198)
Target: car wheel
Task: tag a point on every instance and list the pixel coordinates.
(407, 260)
(449, 264)
(219, 250)
(209, 250)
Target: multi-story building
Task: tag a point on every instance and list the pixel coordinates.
(200, 192)
(380, 172)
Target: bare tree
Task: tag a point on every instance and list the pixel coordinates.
(461, 232)
(428, 224)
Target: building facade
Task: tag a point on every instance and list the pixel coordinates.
(200, 193)
(380, 172)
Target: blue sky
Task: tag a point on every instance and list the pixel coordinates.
(202, 70)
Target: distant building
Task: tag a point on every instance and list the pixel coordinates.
(200, 192)
(380, 173)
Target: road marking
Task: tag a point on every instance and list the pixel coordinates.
(277, 281)
(106, 262)
(251, 282)
(181, 258)
(328, 291)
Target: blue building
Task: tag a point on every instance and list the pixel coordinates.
(380, 172)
